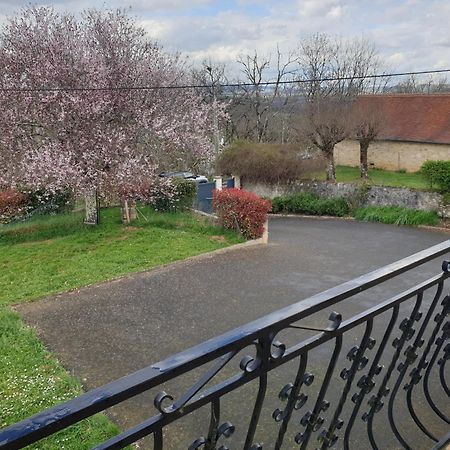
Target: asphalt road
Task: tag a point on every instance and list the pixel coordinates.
(106, 331)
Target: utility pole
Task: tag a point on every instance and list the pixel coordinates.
(215, 115)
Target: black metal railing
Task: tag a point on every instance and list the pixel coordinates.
(392, 393)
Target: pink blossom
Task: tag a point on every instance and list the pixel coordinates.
(98, 139)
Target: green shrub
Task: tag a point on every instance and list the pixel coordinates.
(41, 202)
(185, 193)
(396, 215)
(267, 163)
(310, 204)
(437, 173)
(180, 197)
(446, 198)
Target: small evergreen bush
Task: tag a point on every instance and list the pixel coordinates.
(42, 202)
(437, 173)
(310, 204)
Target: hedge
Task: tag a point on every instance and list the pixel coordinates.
(242, 211)
(437, 173)
(22, 204)
(267, 163)
(310, 204)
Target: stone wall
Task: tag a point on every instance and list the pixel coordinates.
(356, 194)
(391, 155)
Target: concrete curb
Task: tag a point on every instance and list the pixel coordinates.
(203, 214)
(159, 268)
(305, 216)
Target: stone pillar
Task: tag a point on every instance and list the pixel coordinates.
(265, 236)
(237, 181)
(91, 207)
(218, 182)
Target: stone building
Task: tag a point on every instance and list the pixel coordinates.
(415, 128)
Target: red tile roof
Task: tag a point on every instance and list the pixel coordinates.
(412, 117)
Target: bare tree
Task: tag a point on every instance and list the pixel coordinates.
(211, 75)
(367, 122)
(255, 105)
(413, 85)
(333, 73)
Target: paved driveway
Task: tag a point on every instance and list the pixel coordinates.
(106, 331)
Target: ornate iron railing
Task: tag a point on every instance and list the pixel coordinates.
(395, 367)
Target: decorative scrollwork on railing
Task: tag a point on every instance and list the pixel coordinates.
(288, 392)
(225, 430)
(173, 406)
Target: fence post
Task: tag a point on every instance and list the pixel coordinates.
(237, 181)
(218, 182)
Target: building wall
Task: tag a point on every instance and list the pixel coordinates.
(391, 155)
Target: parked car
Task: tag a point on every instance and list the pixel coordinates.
(199, 179)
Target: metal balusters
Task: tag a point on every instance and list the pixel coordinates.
(291, 392)
(359, 361)
(416, 373)
(439, 344)
(375, 402)
(366, 383)
(263, 355)
(312, 420)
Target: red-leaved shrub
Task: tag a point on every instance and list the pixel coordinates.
(242, 211)
(12, 204)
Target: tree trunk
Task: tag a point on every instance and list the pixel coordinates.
(331, 170)
(363, 168)
(91, 202)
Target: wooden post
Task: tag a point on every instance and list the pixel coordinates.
(126, 212)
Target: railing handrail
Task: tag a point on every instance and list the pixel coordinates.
(137, 382)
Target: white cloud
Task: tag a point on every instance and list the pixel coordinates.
(314, 8)
(335, 12)
(410, 34)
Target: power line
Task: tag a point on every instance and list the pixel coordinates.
(226, 85)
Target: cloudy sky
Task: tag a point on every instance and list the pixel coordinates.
(410, 34)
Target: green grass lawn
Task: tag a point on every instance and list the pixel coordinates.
(396, 215)
(58, 253)
(414, 180)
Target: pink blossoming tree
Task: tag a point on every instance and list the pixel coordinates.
(93, 140)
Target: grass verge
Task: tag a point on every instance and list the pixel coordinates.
(32, 380)
(396, 215)
(59, 253)
(47, 255)
(380, 177)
